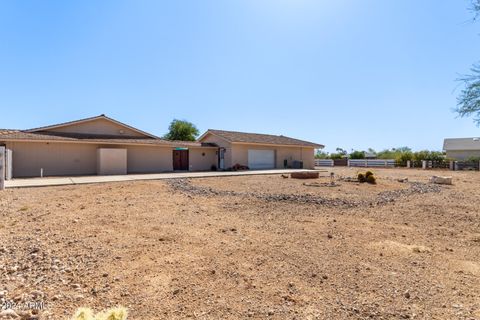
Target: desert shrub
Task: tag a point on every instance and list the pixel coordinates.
(336, 156)
(111, 314)
(361, 178)
(368, 174)
(472, 159)
(371, 179)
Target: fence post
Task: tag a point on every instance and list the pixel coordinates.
(409, 164)
(348, 163)
(424, 164)
(2, 168)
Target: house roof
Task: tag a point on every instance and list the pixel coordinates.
(42, 134)
(461, 144)
(256, 138)
(102, 116)
(19, 135)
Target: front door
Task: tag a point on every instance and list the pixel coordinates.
(221, 158)
(180, 159)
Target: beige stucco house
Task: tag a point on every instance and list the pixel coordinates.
(462, 148)
(261, 151)
(104, 146)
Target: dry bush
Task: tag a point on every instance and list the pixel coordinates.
(111, 314)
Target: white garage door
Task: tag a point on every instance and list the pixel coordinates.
(261, 159)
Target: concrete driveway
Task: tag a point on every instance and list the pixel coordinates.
(63, 181)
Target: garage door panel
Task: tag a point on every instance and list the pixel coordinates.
(261, 159)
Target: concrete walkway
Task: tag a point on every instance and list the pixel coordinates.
(63, 181)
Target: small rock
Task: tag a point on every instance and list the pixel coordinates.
(9, 313)
(79, 297)
(76, 286)
(56, 297)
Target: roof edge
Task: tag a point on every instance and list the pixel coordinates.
(102, 116)
(308, 143)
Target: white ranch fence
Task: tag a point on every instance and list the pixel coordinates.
(324, 163)
(366, 163)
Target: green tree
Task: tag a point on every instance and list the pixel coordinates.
(182, 130)
(340, 154)
(468, 102)
(402, 154)
(321, 154)
(357, 154)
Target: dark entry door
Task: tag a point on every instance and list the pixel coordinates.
(180, 159)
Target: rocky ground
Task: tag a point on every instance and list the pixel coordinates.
(246, 247)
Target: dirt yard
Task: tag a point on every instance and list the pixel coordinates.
(259, 247)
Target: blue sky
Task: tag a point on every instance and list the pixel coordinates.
(345, 73)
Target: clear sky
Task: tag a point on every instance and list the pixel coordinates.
(345, 73)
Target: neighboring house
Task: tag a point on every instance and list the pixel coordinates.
(260, 151)
(101, 145)
(462, 148)
(370, 155)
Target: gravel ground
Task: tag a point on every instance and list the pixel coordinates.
(246, 247)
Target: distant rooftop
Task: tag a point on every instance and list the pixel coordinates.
(461, 144)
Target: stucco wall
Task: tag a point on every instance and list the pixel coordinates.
(56, 159)
(111, 161)
(463, 155)
(144, 159)
(99, 126)
(202, 159)
(223, 144)
(240, 154)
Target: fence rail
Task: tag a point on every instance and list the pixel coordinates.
(324, 163)
(366, 163)
(355, 163)
(466, 165)
(390, 163)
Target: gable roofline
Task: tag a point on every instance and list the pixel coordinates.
(102, 116)
(461, 144)
(291, 141)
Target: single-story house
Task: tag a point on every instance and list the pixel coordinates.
(101, 145)
(462, 148)
(261, 151)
